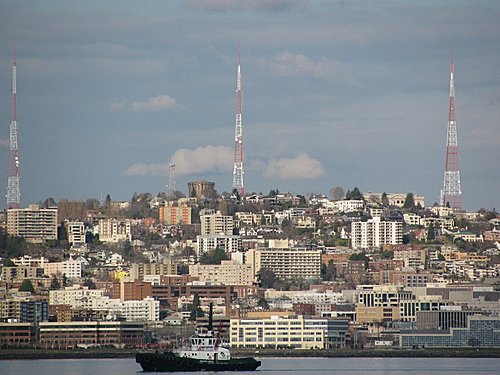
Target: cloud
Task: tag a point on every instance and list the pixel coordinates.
(203, 159)
(291, 64)
(141, 169)
(244, 5)
(300, 167)
(156, 103)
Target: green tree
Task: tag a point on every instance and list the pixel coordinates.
(213, 257)
(54, 283)
(431, 232)
(62, 232)
(27, 286)
(196, 311)
(267, 278)
(262, 302)
(409, 201)
(355, 194)
(385, 200)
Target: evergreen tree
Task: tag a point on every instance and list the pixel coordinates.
(196, 311)
(54, 283)
(385, 200)
(27, 286)
(409, 201)
(431, 234)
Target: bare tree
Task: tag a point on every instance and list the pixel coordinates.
(337, 193)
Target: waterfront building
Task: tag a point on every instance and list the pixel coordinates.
(480, 332)
(69, 335)
(296, 332)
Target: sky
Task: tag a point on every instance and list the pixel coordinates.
(335, 93)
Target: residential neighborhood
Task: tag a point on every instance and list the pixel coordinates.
(282, 270)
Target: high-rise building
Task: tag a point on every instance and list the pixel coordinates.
(13, 189)
(216, 224)
(451, 194)
(34, 223)
(373, 233)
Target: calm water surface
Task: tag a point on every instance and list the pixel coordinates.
(271, 366)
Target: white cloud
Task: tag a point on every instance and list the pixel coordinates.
(156, 103)
(117, 106)
(291, 64)
(300, 167)
(244, 5)
(203, 159)
(141, 169)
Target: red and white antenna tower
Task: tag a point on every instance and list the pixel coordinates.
(238, 137)
(13, 191)
(451, 194)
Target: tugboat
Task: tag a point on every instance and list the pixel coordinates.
(205, 353)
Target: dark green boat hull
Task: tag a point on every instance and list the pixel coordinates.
(169, 362)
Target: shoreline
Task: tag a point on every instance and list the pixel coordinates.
(36, 354)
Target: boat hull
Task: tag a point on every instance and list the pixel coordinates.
(169, 362)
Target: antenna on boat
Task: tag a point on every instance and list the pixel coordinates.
(210, 316)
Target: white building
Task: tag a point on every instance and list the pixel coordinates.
(349, 205)
(216, 224)
(229, 272)
(73, 295)
(288, 332)
(286, 263)
(373, 233)
(114, 230)
(76, 232)
(207, 243)
(72, 268)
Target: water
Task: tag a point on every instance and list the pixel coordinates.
(270, 366)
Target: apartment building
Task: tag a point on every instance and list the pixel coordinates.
(76, 232)
(373, 233)
(227, 273)
(139, 270)
(175, 215)
(34, 224)
(286, 263)
(216, 224)
(114, 230)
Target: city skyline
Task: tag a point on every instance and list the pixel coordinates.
(336, 93)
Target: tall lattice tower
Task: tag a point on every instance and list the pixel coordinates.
(238, 137)
(451, 194)
(13, 190)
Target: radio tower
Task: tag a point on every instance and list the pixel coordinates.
(13, 191)
(451, 194)
(238, 137)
